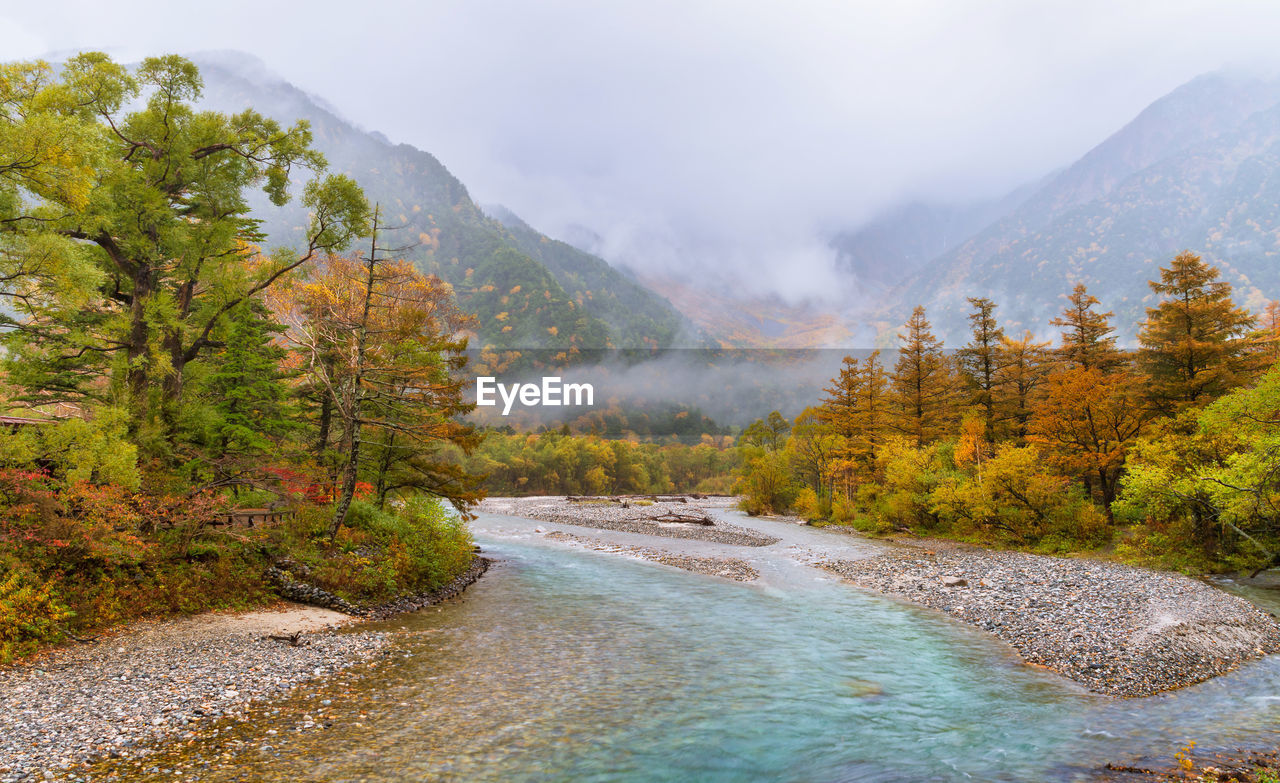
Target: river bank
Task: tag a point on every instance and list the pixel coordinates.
(135, 687)
(661, 518)
(1115, 629)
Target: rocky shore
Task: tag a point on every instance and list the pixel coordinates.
(725, 567)
(155, 680)
(117, 696)
(1115, 629)
(654, 518)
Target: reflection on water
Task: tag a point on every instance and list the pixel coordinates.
(570, 665)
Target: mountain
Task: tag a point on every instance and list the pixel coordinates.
(527, 290)
(900, 242)
(620, 301)
(1199, 169)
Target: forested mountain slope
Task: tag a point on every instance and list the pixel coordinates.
(528, 291)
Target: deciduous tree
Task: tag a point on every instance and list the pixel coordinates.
(1194, 343)
(922, 385)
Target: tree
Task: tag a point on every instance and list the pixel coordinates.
(1194, 344)
(980, 359)
(1215, 484)
(922, 389)
(385, 342)
(157, 241)
(814, 448)
(1086, 422)
(1016, 499)
(840, 407)
(769, 433)
(855, 409)
(1088, 341)
(247, 395)
(1023, 366)
(1268, 336)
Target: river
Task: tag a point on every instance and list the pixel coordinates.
(566, 664)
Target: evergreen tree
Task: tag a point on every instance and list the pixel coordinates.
(979, 361)
(1088, 341)
(1023, 366)
(922, 390)
(1194, 344)
(247, 392)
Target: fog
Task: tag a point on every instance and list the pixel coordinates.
(726, 139)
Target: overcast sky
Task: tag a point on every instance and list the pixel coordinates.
(733, 135)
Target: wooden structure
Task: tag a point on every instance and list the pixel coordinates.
(253, 517)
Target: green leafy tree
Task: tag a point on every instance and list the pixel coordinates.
(159, 244)
(247, 395)
(1214, 485)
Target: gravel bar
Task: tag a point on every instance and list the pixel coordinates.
(160, 679)
(1115, 629)
(632, 517)
(120, 695)
(727, 567)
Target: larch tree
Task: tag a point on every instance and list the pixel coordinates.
(387, 343)
(979, 361)
(871, 409)
(1023, 366)
(922, 385)
(1195, 343)
(1088, 339)
(1090, 413)
(839, 411)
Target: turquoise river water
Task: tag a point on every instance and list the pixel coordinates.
(565, 664)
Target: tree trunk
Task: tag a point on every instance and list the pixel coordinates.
(357, 390)
(137, 376)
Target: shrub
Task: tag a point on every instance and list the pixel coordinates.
(30, 614)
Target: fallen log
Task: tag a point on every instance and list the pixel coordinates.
(293, 639)
(694, 519)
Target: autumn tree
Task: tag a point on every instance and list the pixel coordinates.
(871, 408)
(1023, 366)
(1194, 343)
(1088, 339)
(385, 342)
(855, 409)
(979, 361)
(1268, 335)
(1086, 423)
(131, 272)
(922, 386)
(814, 448)
(769, 433)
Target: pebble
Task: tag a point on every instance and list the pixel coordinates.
(633, 518)
(725, 567)
(74, 706)
(1116, 629)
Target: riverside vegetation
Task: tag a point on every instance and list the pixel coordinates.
(1167, 455)
(167, 371)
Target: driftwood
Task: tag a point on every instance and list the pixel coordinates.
(625, 498)
(293, 639)
(671, 516)
(74, 638)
